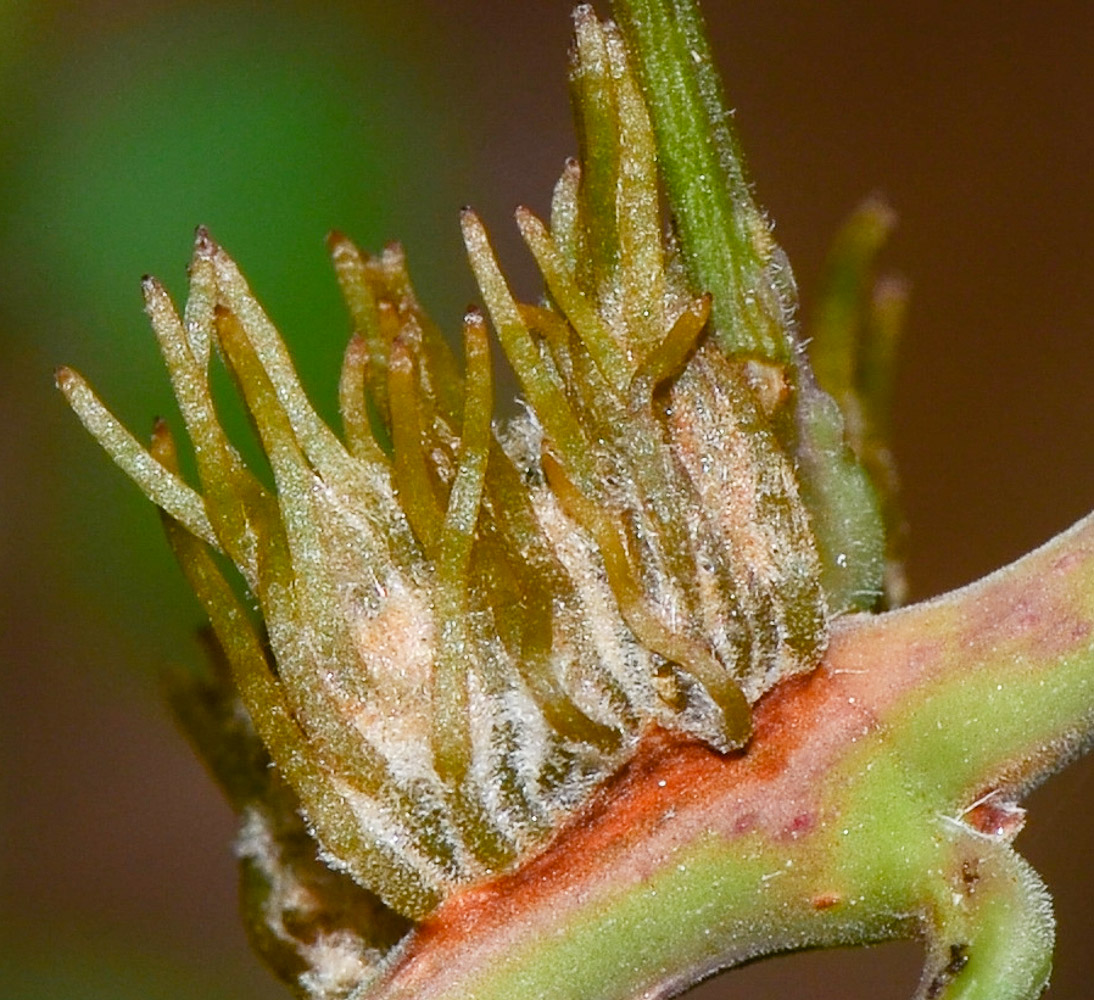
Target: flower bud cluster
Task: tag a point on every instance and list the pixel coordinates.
(466, 626)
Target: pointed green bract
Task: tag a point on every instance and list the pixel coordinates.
(852, 343)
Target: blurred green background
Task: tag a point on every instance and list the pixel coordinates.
(124, 125)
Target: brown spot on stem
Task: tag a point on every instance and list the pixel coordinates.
(970, 874)
(997, 818)
(745, 824)
(800, 825)
(959, 958)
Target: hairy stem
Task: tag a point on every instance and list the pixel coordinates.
(875, 801)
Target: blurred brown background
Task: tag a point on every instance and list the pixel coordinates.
(126, 124)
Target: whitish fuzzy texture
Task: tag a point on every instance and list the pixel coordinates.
(465, 629)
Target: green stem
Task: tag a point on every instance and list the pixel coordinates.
(729, 250)
(992, 939)
(725, 239)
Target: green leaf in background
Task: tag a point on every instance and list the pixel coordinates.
(123, 126)
(128, 125)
